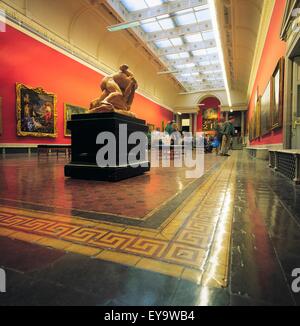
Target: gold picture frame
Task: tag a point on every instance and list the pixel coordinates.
(36, 112)
(1, 127)
(70, 109)
(265, 110)
(277, 94)
(257, 117)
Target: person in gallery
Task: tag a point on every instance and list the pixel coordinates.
(169, 127)
(228, 132)
(218, 136)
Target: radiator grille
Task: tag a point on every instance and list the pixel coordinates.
(272, 159)
(287, 165)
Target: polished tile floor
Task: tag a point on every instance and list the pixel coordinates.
(230, 238)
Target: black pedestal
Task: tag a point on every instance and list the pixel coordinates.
(85, 129)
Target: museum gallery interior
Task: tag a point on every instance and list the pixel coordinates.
(150, 152)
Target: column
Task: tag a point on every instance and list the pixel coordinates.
(191, 122)
(243, 127)
(195, 123)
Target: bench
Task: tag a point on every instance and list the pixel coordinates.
(260, 153)
(66, 149)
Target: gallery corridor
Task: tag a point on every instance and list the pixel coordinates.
(150, 154)
(233, 241)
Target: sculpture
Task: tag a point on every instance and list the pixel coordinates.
(118, 91)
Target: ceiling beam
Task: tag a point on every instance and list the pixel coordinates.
(196, 60)
(201, 90)
(201, 69)
(187, 47)
(179, 31)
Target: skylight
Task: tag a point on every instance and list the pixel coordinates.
(192, 38)
(192, 58)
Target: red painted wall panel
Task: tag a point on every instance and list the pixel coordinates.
(273, 50)
(209, 102)
(28, 61)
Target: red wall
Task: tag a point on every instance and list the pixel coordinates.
(273, 50)
(28, 61)
(208, 103)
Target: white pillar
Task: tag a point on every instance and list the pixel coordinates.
(243, 127)
(191, 122)
(195, 123)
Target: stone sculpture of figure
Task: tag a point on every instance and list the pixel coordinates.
(117, 93)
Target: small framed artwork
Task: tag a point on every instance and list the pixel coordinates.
(265, 111)
(36, 112)
(277, 90)
(257, 117)
(69, 110)
(250, 129)
(1, 127)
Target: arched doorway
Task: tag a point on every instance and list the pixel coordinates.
(209, 114)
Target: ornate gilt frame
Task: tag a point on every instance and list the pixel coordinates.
(257, 118)
(1, 126)
(279, 68)
(65, 117)
(38, 90)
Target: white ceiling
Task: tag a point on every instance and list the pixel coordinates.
(182, 35)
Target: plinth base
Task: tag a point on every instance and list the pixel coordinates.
(112, 174)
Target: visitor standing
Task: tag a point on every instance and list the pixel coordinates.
(228, 133)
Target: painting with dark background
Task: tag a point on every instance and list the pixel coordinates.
(36, 112)
(277, 95)
(265, 109)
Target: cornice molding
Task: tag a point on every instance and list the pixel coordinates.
(260, 43)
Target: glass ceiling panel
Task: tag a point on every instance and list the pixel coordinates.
(192, 64)
(199, 52)
(192, 38)
(163, 44)
(203, 15)
(186, 19)
(134, 5)
(166, 23)
(152, 3)
(151, 27)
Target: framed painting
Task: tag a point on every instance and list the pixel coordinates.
(257, 117)
(277, 91)
(36, 112)
(1, 130)
(69, 110)
(265, 109)
(209, 118)
(250, 129)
